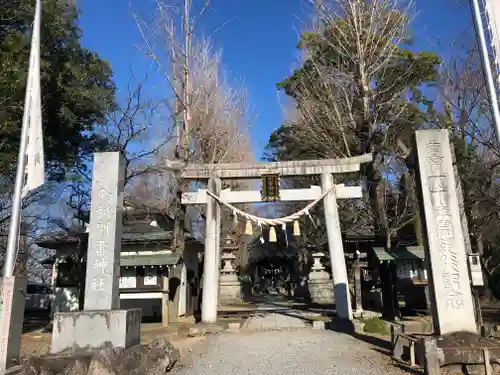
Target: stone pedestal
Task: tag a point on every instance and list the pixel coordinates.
(230, 285)
(101, 322)
(320, 284)
(11, 318)
(93, 329)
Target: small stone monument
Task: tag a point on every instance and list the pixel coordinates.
(230, 285)
(101, 322)
(320, 283)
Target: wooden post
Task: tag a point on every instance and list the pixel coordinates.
(412, 353)
(487, 364)
(397, 345)
(357, 287)
(174, 295)
(431, 359)
(164, 299)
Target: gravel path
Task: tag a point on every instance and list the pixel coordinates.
(300, 352)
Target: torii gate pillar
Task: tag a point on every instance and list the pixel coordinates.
(336, 250)
(211, 258)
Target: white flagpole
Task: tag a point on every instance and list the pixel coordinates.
(485, 58)
(15, 220)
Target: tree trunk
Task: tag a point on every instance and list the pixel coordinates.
(412, 192)
(377, 201)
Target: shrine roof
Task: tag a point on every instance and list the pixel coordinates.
(149, 260)
(400, 253)
(136, 260)
(135, 232)
(359, 235)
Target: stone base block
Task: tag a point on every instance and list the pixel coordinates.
(318, 325)
(321, 292)
(11, 319)
(94, 329)
(230, 292)
(233, 327)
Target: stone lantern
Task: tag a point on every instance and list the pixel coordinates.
(230, 285)
(320, 283)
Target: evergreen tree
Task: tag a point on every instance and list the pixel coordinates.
(77, 87)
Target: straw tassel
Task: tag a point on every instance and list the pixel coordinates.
(296, 228)
(272, 235)
(248, 228)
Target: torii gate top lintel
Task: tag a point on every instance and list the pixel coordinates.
(283, 168)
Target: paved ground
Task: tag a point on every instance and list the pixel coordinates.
(300, 352)
(273, 321)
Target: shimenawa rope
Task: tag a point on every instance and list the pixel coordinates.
(272, 222)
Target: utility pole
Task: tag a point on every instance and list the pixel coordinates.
(485, 58)
(493, 96)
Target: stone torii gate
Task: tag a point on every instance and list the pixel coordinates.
(214, 173)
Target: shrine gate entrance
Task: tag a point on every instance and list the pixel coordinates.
(213, 197)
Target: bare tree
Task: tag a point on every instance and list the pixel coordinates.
(211, 113)
(355, 93)
(465, 111)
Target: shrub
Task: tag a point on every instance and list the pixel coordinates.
(375, 325)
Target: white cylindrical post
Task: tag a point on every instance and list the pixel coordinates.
(336, 250)
(210, 267)
(485, 59)
(218, 188)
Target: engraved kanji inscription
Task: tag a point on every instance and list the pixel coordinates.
(101, 265)
(102, 211)
(103, 194)
(101, 248)
(103, 227)
(99, 284)
(438, 184)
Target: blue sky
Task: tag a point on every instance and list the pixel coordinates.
(259, 42)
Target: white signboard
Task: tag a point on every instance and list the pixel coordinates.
(127, 282)
(128, 279)
(150, 276)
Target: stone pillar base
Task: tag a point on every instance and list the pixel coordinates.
(230, 290)
(92, 329)
(11, 319)
(321, 288)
